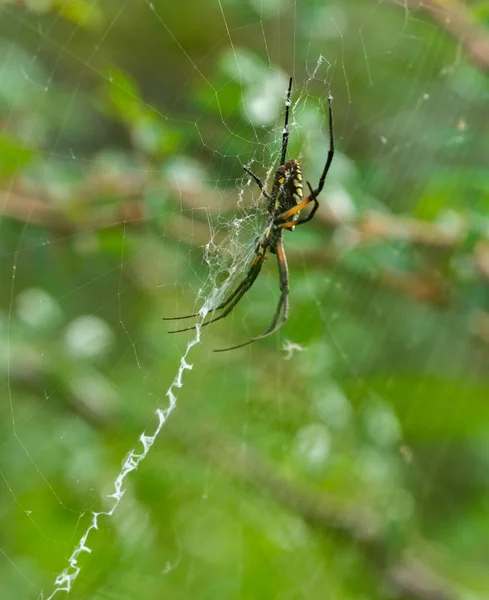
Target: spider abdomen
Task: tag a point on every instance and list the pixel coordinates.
(289, 188)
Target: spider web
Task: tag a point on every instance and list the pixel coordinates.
(74, 353)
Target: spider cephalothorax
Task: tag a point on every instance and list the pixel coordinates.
(284, 205)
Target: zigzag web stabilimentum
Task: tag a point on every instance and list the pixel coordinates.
(65, 580)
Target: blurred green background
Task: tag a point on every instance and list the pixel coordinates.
(345, 457)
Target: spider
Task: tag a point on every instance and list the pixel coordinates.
(284, 204)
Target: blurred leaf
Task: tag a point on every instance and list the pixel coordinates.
(22, 78)
(85, 14)
(431, 408)
(243, 65)
(154, 136)
(81, 12)
(150, 132)
(13, 156)
(121, 96)
(480, 10)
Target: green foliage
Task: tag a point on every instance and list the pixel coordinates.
(13, 156)
(343, 458)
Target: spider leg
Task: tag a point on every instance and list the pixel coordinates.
(222, 305)
(258, 182)
(329, 158)
(238, 293)
(314, 193)
(285, 135)
(285, 141)
(282, 310)
(178, 318)
(295, 209)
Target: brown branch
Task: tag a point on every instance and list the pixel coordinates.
(427, 287)
(199, 201)
(458, 20)
(405, 574)
(29, 209)
(374, 225)
(192, 225)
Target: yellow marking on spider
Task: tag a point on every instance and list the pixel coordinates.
(290, 225)
(294, 210)
(281, 180)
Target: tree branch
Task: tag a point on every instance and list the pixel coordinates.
(404, 574)
(458, 20)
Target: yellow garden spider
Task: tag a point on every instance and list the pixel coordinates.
(284, 204)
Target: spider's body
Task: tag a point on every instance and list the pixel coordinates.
(287, 192)
(287, 188)
(284, 205)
